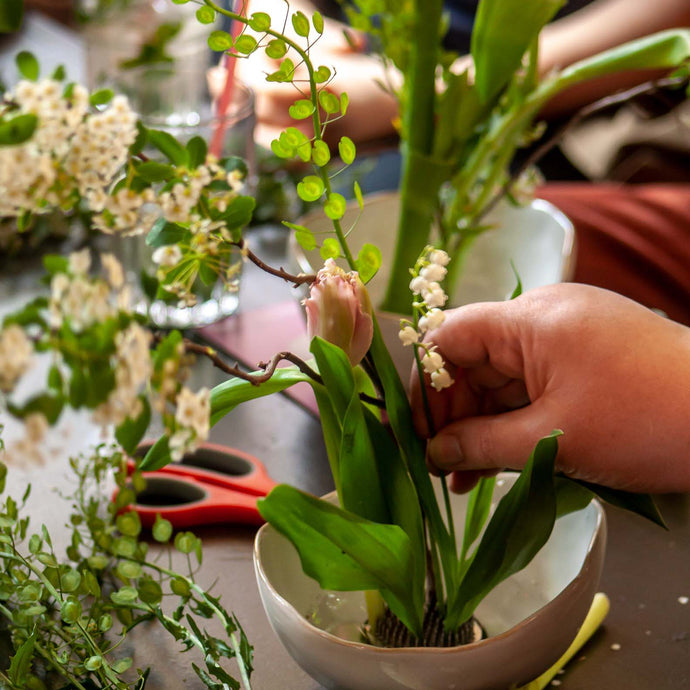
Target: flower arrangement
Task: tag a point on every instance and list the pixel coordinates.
(63, 148)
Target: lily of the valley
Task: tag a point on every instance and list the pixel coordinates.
(339, 311)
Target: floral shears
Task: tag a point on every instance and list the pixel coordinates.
(213, 485)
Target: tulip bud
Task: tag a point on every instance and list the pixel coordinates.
(339, 311)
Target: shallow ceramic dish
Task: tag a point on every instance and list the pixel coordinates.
(531, 618)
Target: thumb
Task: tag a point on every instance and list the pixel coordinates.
(496, 441)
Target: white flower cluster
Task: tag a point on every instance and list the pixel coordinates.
(73, 152)
(132, 365)
(192, 417)
(84, 301)
(15, 356)
(425, 285)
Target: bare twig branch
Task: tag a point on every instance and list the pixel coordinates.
(296, 280)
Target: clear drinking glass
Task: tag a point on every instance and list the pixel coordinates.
(163, 102)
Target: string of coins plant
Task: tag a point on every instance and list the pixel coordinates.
(69, 618)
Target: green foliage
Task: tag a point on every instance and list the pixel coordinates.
(502, 33)
(17, 129)
(11, 15)
(63, 621)
(27, 64)
(154, 49)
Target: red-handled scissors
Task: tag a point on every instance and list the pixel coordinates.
(215, 484)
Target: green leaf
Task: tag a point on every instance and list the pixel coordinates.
(303, 236)
(358, 195)
(157, 456)
(163, 233)
(317, 21)
(18, 129)
(301, 109)
(478, 509)
(322, 74)
(342, 551)
(27, 64)
(347, 150)
(54, 263)
(662, 50)
(245, 44)
(20, 663)
(276, 49)
(335, 206)
(239, 212)
(300, 24)
(360, 484)
(368, 261)
(197, 151)
(48, 404)
(11, 14)
(206, 15)
(329, 102)
(518, 287)
(260, 21)
(519, 527)
(162, 529)
(321, 154)
(330, 249)
(131, 431)
(227, 395)
(168, 146)
(503, 31)
(310, 188)
(642, 504)
(101, 97)
(151, 171)
(220, 41)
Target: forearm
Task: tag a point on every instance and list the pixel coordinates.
(598, 27)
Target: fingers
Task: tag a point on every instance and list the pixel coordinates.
(489, 442)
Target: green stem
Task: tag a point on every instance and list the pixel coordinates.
(417, 199)
(316, 116)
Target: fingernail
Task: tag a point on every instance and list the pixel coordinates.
(444, 451)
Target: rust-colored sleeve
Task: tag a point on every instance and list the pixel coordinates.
(632, 239)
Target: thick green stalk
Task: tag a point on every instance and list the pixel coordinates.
(418, 193)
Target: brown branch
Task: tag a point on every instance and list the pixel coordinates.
(646, 88)
(296, 280)
(256, 378)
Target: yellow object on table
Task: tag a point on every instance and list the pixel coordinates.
(597, 612)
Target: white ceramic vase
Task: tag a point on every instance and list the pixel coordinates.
(531, 618)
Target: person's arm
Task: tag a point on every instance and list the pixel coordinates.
(597, 27)
(611, 374)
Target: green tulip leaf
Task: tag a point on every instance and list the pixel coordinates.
(503, 31)
(519, 527)
(345, 552)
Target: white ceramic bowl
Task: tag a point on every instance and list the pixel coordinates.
(531, 618)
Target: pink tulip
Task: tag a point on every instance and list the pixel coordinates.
(339, 311)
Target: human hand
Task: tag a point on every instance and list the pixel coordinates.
(613, 375)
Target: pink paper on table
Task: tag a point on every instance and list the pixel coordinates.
(255, 336)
